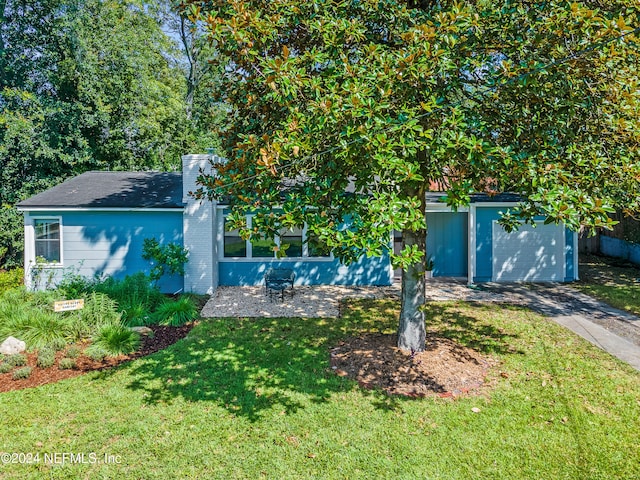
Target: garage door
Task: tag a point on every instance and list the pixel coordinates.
(529, 254)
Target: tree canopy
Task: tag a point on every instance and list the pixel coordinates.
(387, 99)
(89, 84)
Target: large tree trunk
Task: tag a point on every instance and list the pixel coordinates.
(412, 329)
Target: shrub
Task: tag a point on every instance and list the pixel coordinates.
(177, 312)
(66, 364)
(99, 310)
(169, 258)
(23, 297)
(57, 344)
(73, 352)
(95, 352)
(5, 367)
(16, 360)
(136, 315)
(116, 339)
(42, 328)
(27, 315)
(77, 329)
(11, 279)
(21, 373)
(13, 317)
(133, 294)
(46, 358)
(74, 285)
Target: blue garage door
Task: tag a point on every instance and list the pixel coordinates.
(447, 242)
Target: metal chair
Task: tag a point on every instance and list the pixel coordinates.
(277, 281)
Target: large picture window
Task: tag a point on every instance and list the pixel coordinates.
(298, 245)
(47, 240)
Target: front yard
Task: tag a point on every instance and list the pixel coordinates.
(611, 280)
(256, 398)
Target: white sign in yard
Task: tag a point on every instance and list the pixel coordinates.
(68, 305)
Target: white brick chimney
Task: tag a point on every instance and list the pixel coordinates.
(199, 228)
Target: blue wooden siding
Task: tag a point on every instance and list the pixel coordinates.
(447, 243)
(569, 251)
(110, 243)
(367, 271)
(484, 242)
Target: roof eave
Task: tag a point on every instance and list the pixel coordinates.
(52, 208)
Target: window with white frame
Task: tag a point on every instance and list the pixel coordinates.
(293, 239)
(47, 240)
(295, 242)
(234, 246)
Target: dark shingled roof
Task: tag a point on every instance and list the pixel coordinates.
(440, 197)
(113, 190)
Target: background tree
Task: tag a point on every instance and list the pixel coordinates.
(201, 74)
(88, 84)
(387, 98)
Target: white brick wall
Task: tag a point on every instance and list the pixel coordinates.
(199, 224)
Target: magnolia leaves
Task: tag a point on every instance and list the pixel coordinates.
(466, 96)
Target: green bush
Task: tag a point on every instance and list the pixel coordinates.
(26, 298)
(5, 367)
(41, 328)
(136, 315)
(28, 316)
(16, 360)
(116, 340)
(77, 329)
(66, 364)
(75, 286)
(169, 258)
(46, 358)
(176, 313)
(57, 344)
(99, 310)
(73, 352)
(135, 295)
(21, 373)
(95, 352)
(11, 279)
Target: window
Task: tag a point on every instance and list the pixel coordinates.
(234, 246)
(299, 245)
(292, 238)
(262, 248)
(47, 240)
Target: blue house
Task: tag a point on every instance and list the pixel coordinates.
(95, 224)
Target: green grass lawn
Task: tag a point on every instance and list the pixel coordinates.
(256, 399)
(612, 281)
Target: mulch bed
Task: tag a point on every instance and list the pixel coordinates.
(163, 336)
(444, 369)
